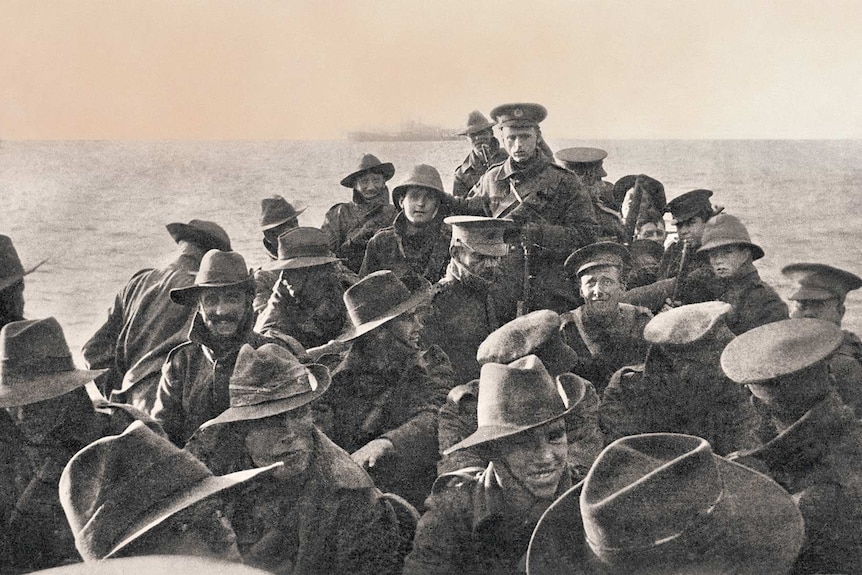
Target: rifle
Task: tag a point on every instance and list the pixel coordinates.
(523, 306)
(684, 261)
(634, 210)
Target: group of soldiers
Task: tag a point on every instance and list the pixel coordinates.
(514, 376)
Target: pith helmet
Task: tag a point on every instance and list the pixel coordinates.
(217, 269)
(36, 364)
(302, 248)
(727, 230)
(820, 282)
(423, 176)
(369, 163)
(664, 503)
(275, 210)
(476, 122)
(207, 235)
(779, 348)
(519, 114)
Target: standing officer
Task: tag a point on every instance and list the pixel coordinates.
(819, 292)
(486, 152)
(550, 205)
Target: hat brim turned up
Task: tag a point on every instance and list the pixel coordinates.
(188, 296)
(386, 169)
(268, 409)
(45, 386)
(758, 534)
(179, 501)
(411, 303)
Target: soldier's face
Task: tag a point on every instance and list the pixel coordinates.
(691, 229)
(726, 261)
(223, 310)
(480, 139)
(370, 185)
(537, 457)
(420, 205)
(406, 329)
(651, 231)
(826, 309)
(601, 288)
(285, 438)
(480, 265)
(520, 142)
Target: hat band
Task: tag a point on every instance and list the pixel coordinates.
(36, 366)
(307, 251)
(702, 530)
(361, 313)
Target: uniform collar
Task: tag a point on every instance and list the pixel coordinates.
(509, 168)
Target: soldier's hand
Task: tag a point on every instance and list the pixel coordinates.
(369, 454)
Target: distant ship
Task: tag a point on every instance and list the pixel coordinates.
(409, 132)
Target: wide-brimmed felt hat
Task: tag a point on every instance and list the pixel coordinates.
(480, 234)
(686, 324)
(476, 122)
(155, 565)
(779, 348)
(423, 176)
(687, 205)
(36, 364)
(519, 114)
(651, 186)
(580, 155)
(369, 163)
(726, 230)
(517, 397)
(121, 486)
(218, 269)
(536, 333)
(275, 210)
(11, 269)
(820, 281)
(664, 503)
(595, 255)
(302, 248)
(378, 298)
(269, 381)
(207, 235)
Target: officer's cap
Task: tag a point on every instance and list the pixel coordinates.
(595, 255)
(779, 348)
(686, 324)
(483, 235)
(581, 155)
(819, 281)
(688, 205)
(519, 114)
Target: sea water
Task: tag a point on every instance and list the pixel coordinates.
(97, 210)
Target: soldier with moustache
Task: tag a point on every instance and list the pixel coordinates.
(554, 212)
(485, 152)
(819, 292)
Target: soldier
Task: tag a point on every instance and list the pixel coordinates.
(586, 163)
(664, 504)
(680, 388)
(690, 212)
(605, 333)
(462, 311)
(483, 524)
(417, 243)
(554, 212)
(277, 216)
(194, 384)
(306, 300)
(646, 255)
(43, 392)
(145, 324)
(537, 333)
(819, 292)
(134, 493)
(817, 454)
(486, 152)
(319, 511)
(387, 391)
(350, 225)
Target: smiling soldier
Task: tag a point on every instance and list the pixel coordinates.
(194, 384)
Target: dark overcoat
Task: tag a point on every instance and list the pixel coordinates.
(424, 254)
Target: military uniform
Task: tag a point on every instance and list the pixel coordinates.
(471, 170)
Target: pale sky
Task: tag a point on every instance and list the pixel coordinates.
(303, 69)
